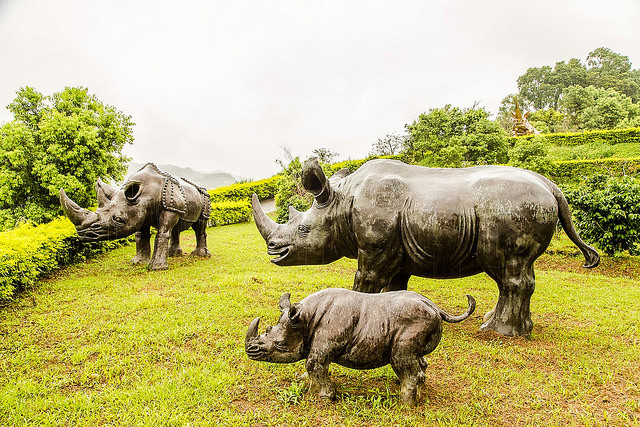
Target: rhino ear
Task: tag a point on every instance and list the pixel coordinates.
(104, 192)
(294, 314)
(340, 174)
(285, 301)
(315, 182)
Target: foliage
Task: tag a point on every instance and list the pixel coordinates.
(290, 191)
(532, 154)
(607, 212)
(28, 253)
(548, 121)
(229, 212)
(543, 87)
(66, 140)
(324, 155)
(611, 137)
(576, 171)
(453, 137)
(592, 108)
(389, 145)
(264, 188)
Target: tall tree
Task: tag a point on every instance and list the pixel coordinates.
(451, 136)
(68, 139)
(389, 145)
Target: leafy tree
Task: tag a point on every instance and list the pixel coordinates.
(324, 155)
(549, 121)
(389, 145)
(610, 70)
(607, 212)
(453, 137)
(68, 139)
(591, 108)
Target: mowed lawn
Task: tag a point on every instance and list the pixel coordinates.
(107, 343)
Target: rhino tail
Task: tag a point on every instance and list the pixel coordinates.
(455, 319)
(591, 256)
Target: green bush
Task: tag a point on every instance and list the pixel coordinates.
(531, 154)
(229, 212)
(353, 165)
(609, 137)
(27, 253)
(573, 171)
(265, 189)
(607, 212)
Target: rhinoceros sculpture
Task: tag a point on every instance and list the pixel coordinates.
(149, 198)
(401, 220)
(356, 330)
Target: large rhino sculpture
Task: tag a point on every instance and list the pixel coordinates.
(149, 198)
(401, 220)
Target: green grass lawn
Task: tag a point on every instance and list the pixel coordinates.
(105, 342)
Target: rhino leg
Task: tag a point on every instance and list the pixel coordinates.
(166, 222)
(376, 269)
(200, 228)
(512, 313)
(319, 381)
(174, 246)
(143, 246)
(409, 369)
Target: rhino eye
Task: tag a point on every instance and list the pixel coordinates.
(303, 230)
(280, 345)
(132, 191)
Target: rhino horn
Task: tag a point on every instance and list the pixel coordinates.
(75, 213)
(104, 191)
(315, 182)
(252, 332)
(265, 225)
(293, 212)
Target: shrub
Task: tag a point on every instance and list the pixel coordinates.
(265, 189)
(609, 137)
(28, 253)
(573, 171)
(531, 154)
(607, 212)
(229, 212)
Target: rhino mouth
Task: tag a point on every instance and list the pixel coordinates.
(254, 352)
(281, 253)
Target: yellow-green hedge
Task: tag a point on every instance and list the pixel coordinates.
(28, 253)
(230, 212)
(610, 137)
(573, 170)
(265, 189)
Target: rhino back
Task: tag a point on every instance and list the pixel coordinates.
(361, 329)
(438, 214)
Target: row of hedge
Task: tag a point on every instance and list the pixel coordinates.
(572, 171)
(265, 189)
(28, 253)
(610, 137)
(230, 212)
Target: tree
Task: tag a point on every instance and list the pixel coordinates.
(324, 155)
(68, 139)
(453, 137)
(389, 145)
(589, 108)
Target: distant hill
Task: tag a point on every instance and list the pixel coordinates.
(208, 180)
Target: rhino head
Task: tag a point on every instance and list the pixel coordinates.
(315, 236)
(282, 343)
(120, 212)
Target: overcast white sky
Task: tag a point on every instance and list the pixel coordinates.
(224, 85)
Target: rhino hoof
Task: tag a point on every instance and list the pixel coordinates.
(139, 260)
(174, 251)
(158, 265)
(201, 252)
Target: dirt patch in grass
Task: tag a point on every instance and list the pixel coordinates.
(609, 266)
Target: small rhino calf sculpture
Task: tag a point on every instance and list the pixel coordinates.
(356, 330)
(149, 198)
